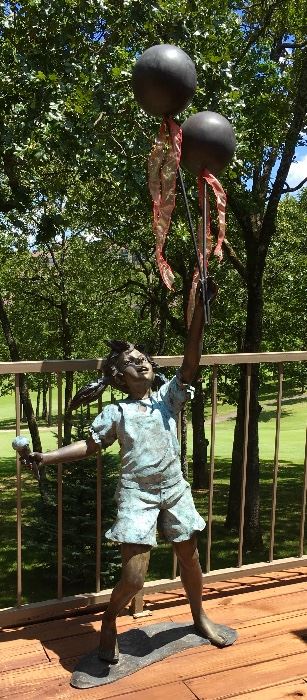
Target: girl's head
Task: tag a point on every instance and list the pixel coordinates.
(127, 368)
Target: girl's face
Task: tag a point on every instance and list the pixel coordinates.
(137, 372)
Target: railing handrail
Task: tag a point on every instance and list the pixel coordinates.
(239, 358)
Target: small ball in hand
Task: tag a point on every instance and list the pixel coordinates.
(20, 442)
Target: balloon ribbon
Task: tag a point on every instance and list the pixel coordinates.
(220, 196)
(163, 164)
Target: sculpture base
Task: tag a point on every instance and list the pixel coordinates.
(138, 648)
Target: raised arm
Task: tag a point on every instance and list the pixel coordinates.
(194, 341)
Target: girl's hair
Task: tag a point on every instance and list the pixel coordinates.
(111, 374)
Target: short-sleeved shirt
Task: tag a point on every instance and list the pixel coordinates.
(149, 448)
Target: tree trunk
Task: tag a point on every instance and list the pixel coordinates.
(200, 444)
(252, 528)
(69, 376)
(38, 399)
(45, 391)
(50, 402)
(28, 409)
(21, 411)
(69, 381)
(24, 392)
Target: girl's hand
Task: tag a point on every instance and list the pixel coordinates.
(34, 461)
(212, 291)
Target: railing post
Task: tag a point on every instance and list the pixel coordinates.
(98, 519)
(99, 466)
(276, 465)
(303, 516)
(60, 494)
(244, 465)
(18, 494)
(211, 471)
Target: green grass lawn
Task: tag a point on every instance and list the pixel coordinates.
(39, 521)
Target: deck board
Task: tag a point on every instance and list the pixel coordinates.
(268, 662)
(285, 691)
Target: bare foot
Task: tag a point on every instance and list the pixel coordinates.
(108, 647)
(217, 634)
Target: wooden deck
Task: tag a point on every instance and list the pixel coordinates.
(268, 662)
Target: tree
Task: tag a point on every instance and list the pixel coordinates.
(285, 303)
(74, 106)
(280, 104)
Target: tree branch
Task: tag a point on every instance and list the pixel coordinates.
(129, 283)
(234, 260)
(256, 34)
(42, 297)
(54, 260)
(294, 45)
(294, 189)
(241, 212)
(177, 326)
(10, 168)
(296, 125)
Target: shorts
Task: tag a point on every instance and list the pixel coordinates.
(140, 510)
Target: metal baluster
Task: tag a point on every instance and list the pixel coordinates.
(303, 516)
(276, 453)
(99, 464)
(211, 472)
(60, 493)
(18, 493)
(244, 465)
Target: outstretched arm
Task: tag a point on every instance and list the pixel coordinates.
(69, 453)
(194, 341)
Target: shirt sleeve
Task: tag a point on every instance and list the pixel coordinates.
(175, 393)
(103, 429)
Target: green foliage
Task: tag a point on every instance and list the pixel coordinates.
(76, 245)
(75, 147)
(285, 283)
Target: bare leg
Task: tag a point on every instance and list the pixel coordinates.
(135, 559)
(191, 576)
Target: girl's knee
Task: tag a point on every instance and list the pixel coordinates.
(134, 572)
(187, 552)
(133, 580)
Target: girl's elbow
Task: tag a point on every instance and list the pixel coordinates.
(91, 446)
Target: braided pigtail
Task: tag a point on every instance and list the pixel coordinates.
(89, 393)
(111, 376)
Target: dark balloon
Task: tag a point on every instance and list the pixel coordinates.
(164, 80)
(208, 141)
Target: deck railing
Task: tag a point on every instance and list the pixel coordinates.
(64, 605)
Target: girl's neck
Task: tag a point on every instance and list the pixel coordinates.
(138, 396)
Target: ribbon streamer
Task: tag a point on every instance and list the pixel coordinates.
(163, 164)
(220, 196)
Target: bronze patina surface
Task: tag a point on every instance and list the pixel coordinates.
(139, 648)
